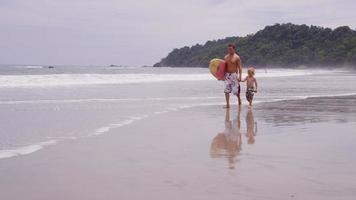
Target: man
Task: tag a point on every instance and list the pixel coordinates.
(232, 75)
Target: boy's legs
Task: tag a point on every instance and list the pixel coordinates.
(250, 100)
(249, 97)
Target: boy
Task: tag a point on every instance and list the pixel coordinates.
(251, 84)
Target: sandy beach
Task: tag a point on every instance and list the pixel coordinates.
(177, 100)
(295, 149)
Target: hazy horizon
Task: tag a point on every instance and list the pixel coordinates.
(47, 32)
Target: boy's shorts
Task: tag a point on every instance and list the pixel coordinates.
(232, 84)
(249, 94)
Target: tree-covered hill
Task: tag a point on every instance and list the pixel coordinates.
(283, 45)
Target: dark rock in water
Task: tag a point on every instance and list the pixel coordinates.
(114, 66)
(50, 67)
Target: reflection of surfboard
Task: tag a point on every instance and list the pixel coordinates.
(217, 68)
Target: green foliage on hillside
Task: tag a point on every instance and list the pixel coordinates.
(283, 45)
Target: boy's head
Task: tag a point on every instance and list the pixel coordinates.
(251, 71)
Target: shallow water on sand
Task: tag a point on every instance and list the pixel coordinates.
(148, 133)
(42, 107)
(278, 150)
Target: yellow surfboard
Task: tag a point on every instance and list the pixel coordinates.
(217, 68)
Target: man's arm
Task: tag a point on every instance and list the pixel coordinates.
(239, 68)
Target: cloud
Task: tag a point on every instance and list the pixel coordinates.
(142, 32)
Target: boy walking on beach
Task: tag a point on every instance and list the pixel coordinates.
(251, 84)
(232, 75)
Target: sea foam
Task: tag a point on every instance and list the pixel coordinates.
(8, 153)
(55, 80)
(107, 128)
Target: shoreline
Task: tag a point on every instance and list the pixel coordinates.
(171, 156)
(33, 148)
(351, 68)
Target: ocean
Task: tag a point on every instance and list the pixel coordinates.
(43, 106)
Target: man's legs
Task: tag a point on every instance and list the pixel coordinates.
(227, 100)
(228, 89)
(238, 94)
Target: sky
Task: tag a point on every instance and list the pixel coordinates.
(136, 33)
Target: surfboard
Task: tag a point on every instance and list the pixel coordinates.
(217, 68)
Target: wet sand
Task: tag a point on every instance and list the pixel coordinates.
(302, 149)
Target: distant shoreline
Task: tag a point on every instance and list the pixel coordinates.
(350, 67)
(276, 45)
(296, 67)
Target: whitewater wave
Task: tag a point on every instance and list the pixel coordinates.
(52, 80)
(107, 128)
(30, 67)
(55, 80)
(8, 153)
(106, 100)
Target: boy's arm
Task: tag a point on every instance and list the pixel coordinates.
(243, 80)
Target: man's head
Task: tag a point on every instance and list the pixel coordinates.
(231, 48)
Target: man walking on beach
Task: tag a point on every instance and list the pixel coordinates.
(232, 75)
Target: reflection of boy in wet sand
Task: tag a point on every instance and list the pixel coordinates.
(251, 126)
(228, 143)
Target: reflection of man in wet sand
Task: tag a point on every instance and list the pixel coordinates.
(228, 143)
(251, 127)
